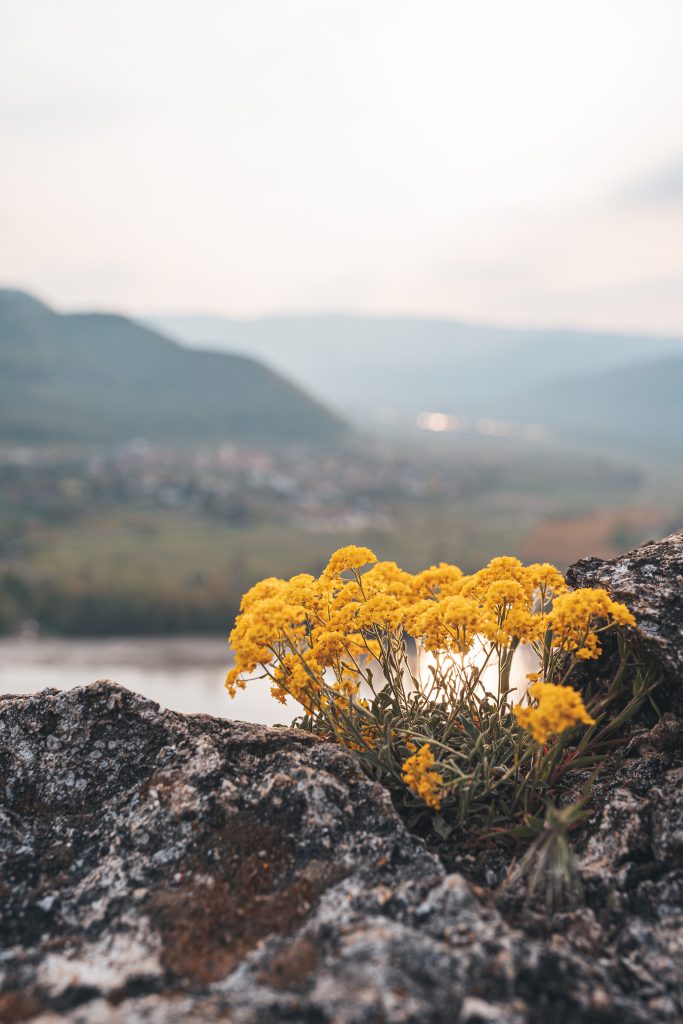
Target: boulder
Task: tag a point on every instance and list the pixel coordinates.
(159, 867)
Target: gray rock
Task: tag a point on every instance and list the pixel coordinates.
(207, 870)
(161, 868)
(650, 581)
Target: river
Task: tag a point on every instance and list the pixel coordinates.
(180, 673)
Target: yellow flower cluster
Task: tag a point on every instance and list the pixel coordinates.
(502, 602)
(296, 629)
(315, 638)
(574, 617)
(557, 708)
(419, 775)
(314, 635)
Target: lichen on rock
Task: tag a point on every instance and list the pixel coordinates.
(162, 867)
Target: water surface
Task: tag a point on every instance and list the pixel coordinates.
(180, 673)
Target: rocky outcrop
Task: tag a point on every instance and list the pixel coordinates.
(650, 581)
(159, 867)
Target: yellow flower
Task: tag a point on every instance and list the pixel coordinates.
(296, 629)
(300, 677)
(419, 776)
(557, 708)
(511, 616)
(439, 580)
(233, 680)
(515, 622)
(450, 624)
(423, 621)
(575, 615)
(501, 569)
(418, 616)
(269, 587)
(462, 618)
(301, 589)
(268, 620)
(382, 610)
(328, 647)
(349, 557)
(249, 651)
(388, 578)
(547, 578)
(343, 606)
(504, 592)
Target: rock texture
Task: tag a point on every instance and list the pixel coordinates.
(158, 867)
(650, 581)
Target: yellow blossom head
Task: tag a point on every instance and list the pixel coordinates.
(350, 557)
(557, 708)
(419, 775)
(577, 616)
(388, 578)
(547, 578)
(270, 587)
(440, 580)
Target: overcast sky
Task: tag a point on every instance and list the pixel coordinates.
(509, 161)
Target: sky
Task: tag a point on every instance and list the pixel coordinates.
(507, 162)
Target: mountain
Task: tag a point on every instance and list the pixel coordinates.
(638, 405)
(102, 378)
(406, 365)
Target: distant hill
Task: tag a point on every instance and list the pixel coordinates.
(639, 405)
(102, 378)
(409, 364)
(577, 384)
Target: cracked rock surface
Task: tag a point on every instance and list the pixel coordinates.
(159, 867)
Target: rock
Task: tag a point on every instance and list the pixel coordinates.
(650, 581)
(159, 867)
(631, 863)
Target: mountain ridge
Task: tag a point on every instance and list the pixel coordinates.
(417, 363)
(102, 377)
(577, 384)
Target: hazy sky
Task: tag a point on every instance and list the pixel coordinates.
(515, 161)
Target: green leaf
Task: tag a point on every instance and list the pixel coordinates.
(441, 826)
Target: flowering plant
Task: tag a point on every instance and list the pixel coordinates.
(398, 668)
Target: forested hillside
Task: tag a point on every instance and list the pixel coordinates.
(100, 378)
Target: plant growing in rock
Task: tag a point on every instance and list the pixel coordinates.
(397, 668)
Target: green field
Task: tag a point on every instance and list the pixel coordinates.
(148, 571)
(141, 570)
(101, 551)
